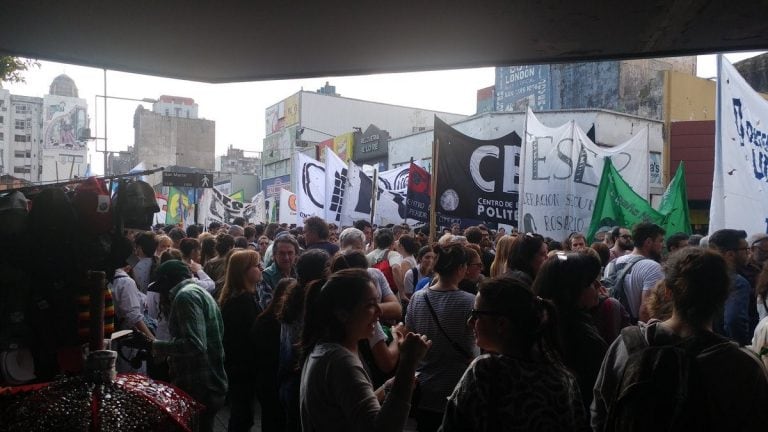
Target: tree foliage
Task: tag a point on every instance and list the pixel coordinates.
(13, 68)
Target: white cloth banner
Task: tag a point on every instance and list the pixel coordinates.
(216, 206)
(739, 189)
(271, 205)
(561, 173)
(309, 184)
(258, 207)
(357, 196)
(391, 197)
(287, 206)
(335, 183)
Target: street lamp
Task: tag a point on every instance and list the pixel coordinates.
(105, 97)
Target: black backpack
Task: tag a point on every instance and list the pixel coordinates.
(614, 282)
(661, 388)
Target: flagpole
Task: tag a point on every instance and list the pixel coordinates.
(716, 216)
(521, 167)
(375, 189)
(433, 191)
(407, 192)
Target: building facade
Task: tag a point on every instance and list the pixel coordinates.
(175, 106)
(44, 139)
(630, 86)
(305, 119)
(164, 140)
(236, 162)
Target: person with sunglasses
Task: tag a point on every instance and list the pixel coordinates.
(520, 384)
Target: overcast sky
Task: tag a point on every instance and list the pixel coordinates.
(238, 109)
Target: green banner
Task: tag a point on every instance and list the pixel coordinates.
(674, 204)
(618, 205)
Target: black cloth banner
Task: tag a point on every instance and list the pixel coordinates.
(418, 193)
(477, 179)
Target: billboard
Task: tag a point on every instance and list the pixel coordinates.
(291, 110)
(342, 145)
(521, 86)
(65, 121)
(271, 187)
(277, 146)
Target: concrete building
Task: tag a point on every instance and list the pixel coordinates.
(304, 119)
(629, 86)
(175, 106)
(236, 162)
(165, 140)
(44, 139)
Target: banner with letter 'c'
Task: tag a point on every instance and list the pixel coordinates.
(476, 179)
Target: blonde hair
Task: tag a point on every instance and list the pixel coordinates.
(503, 250)
(234, 280)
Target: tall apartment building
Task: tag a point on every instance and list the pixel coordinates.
(44, 139)
(236, 162)
(163, 140)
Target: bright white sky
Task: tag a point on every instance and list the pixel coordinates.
(238, 109)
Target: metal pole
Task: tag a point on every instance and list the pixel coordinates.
(105, 122)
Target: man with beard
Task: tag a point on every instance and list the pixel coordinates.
(645, 271)
(758, 244)
(622, 243)
(732, 245)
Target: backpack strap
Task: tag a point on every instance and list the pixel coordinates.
(634, 339)
(619, 292)
(455, 346)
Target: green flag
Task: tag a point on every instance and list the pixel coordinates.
(618, 205)
(674, 204)
(238, 196)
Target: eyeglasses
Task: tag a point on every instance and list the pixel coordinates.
(475, 313)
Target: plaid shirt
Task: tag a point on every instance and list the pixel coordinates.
(195, 351)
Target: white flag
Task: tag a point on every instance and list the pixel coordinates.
(335, 182)
(309, 184)
(740, 181)
(561, 169)
(258, 207)
(357, 196)
(287, 206)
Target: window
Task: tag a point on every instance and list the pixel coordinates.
(20, 124)
(178, 112)
(20, 138)
(2, 136)
(167, 112)
(22, 169)
(2, 119)
(22, 109)
(22, 153)
(187, 115)
(70, 159)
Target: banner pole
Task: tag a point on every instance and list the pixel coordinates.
(433, 191)
(521, 168)
(716, 212)
(374, 190)
(408, 192)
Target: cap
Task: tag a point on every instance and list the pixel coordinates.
(170, 273)
(755, 238)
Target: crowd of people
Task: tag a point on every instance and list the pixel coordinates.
(362, 327)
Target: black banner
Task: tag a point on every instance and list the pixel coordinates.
(477, 179)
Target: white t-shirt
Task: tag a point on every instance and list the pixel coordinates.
(642, 277)
(395, 259)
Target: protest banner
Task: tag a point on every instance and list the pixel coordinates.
(617, 204)
(309, 187)
(335, 182)
(287, 207)
(739, 189)
(179, 208)
(217, 206)
(391, 196)
(258, 207)
(475, 179)
(418, 199)
(561, 171)
(162, 202)
(357, 196)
